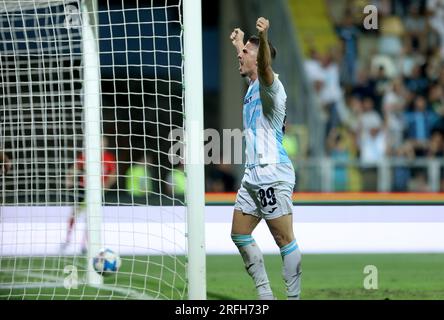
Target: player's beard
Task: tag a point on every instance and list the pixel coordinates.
(242, 72)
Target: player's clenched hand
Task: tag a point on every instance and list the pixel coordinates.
(237, 36)
(262, 25)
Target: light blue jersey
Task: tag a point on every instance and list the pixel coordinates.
(264, 121)
(267, 186)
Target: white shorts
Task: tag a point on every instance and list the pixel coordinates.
(266, 191)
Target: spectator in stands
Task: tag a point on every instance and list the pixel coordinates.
(435, 10)
(394, 103)
(436, 99)
(436, 148)
(349, 34)
(365, 86)
(395, 94)
(410, 101)
(323, 73)
(354, 115)
(390, 41)
(384, 65)
(368, 117)
(416, 29)
(436, 145)
(331, 93)
(382, 84)
(338, 152)
(434, 64)
(313, 67)
(417, 82)
(407, 61)
(373, 150)
(372, 143)
(419, 125)
(439, 125)
(393, 112)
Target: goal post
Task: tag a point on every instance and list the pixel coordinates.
(194, 148)
(90, 92)
(93, 147)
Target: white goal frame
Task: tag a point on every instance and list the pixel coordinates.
(193, 142)
(194, 159)
(194, 166)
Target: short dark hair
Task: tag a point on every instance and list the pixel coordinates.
(255, 40)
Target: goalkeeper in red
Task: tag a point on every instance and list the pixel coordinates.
(267, 186)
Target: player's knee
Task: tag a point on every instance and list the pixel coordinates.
(282, 240)
(242, 240)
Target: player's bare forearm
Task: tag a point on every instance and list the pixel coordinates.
(237, 39)
(264, 60)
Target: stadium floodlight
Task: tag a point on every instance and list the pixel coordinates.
(75, 75)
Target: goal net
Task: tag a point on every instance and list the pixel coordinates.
(89, 93)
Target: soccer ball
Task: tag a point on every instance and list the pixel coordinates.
(106, 262)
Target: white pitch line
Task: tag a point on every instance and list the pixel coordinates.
(56, 282)
(125, 291)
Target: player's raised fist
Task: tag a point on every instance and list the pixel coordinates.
(262, 25)
(237, 36)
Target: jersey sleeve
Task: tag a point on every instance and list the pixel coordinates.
(273, 97)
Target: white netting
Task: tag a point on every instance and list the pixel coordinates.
(42, 115)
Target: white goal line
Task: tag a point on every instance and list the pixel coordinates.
(58, 282)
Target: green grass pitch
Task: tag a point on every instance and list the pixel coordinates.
(334, 276)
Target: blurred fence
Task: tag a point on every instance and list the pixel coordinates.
(389, 175)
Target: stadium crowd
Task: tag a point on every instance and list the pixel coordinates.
(382, 93)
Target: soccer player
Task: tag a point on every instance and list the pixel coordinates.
(267, 186)
(109, 177)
